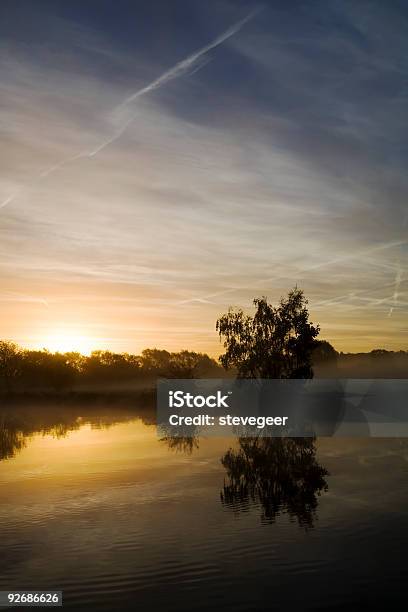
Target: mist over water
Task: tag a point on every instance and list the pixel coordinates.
(95, 504)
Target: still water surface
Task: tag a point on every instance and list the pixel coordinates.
(100, 508)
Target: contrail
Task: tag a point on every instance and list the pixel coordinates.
(185, 65)
(397, 283)
(181, 68)
(8, 200)
(190, 64)
(302, 270)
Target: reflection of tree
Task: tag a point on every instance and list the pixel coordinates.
(11, 442)
(19, 424)
(281, 474)
(180, 438)
(182, 444)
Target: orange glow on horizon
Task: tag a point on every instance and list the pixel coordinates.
(66, 340)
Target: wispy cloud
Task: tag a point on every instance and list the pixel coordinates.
(188, 65)
(397, 283)
(277, 166)
(190, 62)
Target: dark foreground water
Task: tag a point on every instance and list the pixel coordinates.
(101, 509)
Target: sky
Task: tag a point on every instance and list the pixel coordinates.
(163, 161)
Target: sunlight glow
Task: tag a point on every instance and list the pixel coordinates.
(66, 340)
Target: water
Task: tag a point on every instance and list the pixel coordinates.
(93, 504)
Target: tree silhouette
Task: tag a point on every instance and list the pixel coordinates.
(23, 370)
(324, 353)
(108, 367)
(277, 342)
(281, 474)
(184, 364)
(9, 360)
(325, 360)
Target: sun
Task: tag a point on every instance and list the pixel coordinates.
(67, 340)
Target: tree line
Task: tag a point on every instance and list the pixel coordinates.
(28, 370)
(276, 342)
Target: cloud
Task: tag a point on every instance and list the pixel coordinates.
(242, 181)
(188, 65)
(397, 284)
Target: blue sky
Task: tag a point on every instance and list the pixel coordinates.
(161, 161)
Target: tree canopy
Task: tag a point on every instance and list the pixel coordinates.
(277, 342)
(33, 370)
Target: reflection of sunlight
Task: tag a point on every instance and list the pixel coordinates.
(112, 453)
(84, 452)
(65, 340)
